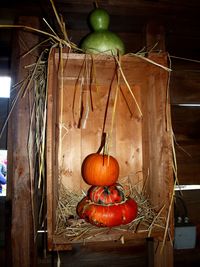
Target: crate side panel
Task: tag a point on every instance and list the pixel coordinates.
(157, 133)
(51, 147)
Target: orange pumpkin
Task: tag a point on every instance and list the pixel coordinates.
(107, 215)
(100, 169)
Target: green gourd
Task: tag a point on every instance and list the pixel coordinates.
(101, 40)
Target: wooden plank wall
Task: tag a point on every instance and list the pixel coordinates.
(111, 254)
(185, 90)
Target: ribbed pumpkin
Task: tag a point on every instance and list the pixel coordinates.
(106, 194)
(101, 170)
(107, 215)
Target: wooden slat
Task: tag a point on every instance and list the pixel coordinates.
(155, 36)
(189, 47)
(136, 7)
(157, 134)
(188, 161)
(185, 121)
(111, 253)
(184, 85)
(50, 155)
(192, 203)
(163, 256)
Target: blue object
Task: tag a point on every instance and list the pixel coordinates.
(2, 181)
(185, 236)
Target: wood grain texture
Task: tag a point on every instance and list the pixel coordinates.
(188, 160)
(184, 82)
(185, 122)
(163, 256)
(20, 169)
(111, 253)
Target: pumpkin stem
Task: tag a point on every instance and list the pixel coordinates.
(103, 144)
(106, 146)
(106, 190)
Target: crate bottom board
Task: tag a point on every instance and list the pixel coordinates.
(61, 242)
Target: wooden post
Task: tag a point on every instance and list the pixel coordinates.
(155, 37)
(155, 42)
(159, 255)
(19, 189)
(150, 251)
(163, 255)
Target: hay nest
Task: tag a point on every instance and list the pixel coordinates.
(69, 225)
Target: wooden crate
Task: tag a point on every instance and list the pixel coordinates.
(81, 90)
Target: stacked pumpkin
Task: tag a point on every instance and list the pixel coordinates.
(106, 204)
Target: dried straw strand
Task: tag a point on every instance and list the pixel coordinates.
(37, 46)
(168, 219)
(50, 27)
(150, 61)
(109, 143)
(31, 29)
(33, 74)
(86, 108)
(20, 92)
(31, 168)
(61, 24)
(128, 86)
(61, 88)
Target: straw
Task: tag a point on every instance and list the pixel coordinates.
(150, 61)
(114, 111)
(69, 225)
(128, 86)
